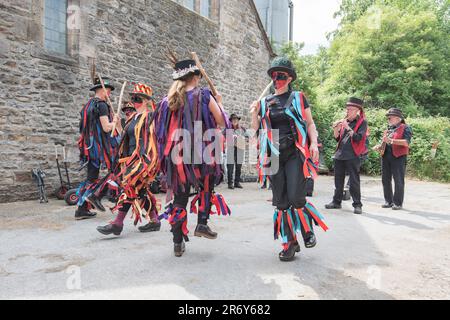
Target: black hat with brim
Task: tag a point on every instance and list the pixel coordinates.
(143, 95)
(396, 112)
(185, 68)
(282, 64)
(98, 85)
(234, 116)
(355, 102)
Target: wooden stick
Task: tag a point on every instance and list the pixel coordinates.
(199, 65)
(106, 92)
(266, 91)
(263, 94)
(118, 107)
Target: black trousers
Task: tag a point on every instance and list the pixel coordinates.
(289, 183)
(92, 176)
(126, 206)
(181, 200)
(393, 167)
(238, 160)
(352, 167)
(289, 187)
(92, 173)
(230, 170)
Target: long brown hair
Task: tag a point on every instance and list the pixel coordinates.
(177, 92)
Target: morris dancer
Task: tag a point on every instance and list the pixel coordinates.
(138, 166)
(195, 164)
(296, 153)
(97, 148)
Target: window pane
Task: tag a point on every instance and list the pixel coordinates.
(205, 8)
(189, 4)
(55, 21)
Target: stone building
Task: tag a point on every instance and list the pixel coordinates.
(46, 47)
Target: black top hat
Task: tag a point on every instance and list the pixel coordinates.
(355, 102)
(97, 84)
(282, 64)
(234, 116)
(184, 68)
(395, 112)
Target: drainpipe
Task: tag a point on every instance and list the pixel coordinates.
(291, 21)
(269, 21)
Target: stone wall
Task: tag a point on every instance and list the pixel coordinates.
(41, 93)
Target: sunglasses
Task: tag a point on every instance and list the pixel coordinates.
(279, 76)
(136, 99)
(128, 110)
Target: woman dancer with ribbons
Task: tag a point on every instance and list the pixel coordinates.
(138, 166)
(190, 161)
(296, 153)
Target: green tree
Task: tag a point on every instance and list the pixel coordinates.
(397, 57)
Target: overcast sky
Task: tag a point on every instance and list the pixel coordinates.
(312, 20)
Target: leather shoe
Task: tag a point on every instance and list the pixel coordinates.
(110, 229)
(203, 230)
(333, 205)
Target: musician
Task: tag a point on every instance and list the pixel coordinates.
(351, 135)
(235, 151)
(394, 150)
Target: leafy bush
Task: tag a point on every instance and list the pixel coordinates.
(426, 131)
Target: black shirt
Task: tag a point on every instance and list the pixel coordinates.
(278, 118)
(131, 136)
(103, 109)
(345, 149)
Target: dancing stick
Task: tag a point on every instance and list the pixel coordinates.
(199, 65)
(263, 94)
(118, 107)
(266, 91)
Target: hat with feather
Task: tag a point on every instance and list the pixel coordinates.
(182, 68)
(97, 84)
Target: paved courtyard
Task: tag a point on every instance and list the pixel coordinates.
(382, 254)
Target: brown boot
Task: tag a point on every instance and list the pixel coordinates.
(203, 230)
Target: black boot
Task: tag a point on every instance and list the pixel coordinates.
(387, 205)
(95, 202)
(358, 210)
(110, 229)
(179, 248)
(203, 230)
(297, 246)
(289, 254)
(333, 205)
(150, 227)
(230, 186)
(82, 214)
(238, 185)
(310, 240)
